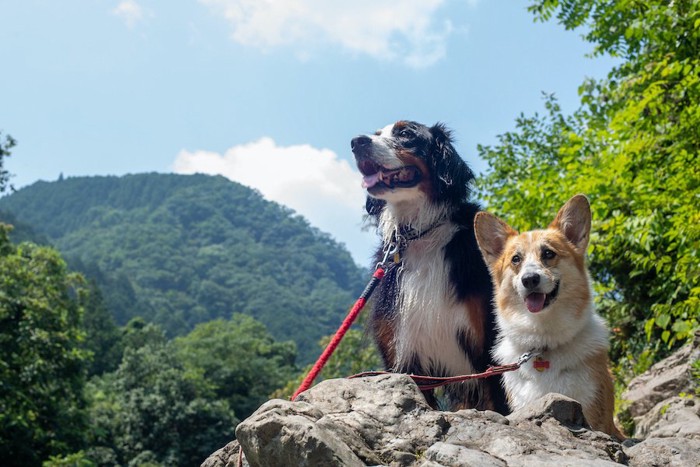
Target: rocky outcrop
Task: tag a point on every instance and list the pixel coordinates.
(384, 420)
(661, 401)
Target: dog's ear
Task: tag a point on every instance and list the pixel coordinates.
(451, 175)
(491, 236)
(574, 221)
(374, 206)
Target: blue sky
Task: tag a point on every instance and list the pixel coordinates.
(269, 92)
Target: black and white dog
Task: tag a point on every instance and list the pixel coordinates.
(432, 313)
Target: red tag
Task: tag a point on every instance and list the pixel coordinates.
(540, 364)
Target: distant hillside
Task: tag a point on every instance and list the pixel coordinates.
(184, 249)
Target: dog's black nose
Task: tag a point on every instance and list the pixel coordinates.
(531, 280)
(360, 142)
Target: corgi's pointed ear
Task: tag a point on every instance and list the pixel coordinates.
(574, 221)
(491, 235)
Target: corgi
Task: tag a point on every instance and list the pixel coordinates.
(544, 304)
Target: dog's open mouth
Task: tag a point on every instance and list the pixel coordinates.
(374, 175)
(537, 301)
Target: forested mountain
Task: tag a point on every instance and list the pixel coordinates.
(184, 249)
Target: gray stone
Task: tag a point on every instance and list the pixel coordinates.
(459, 456)
(224, 457)
(537, 437)
(286, 433)
(565, 410)
(674, 417)
(385, 421)
(671, 452)
(664, 380)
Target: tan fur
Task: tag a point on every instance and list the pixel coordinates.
(476, 314)
(384, 332)
(564, 329)
(600, 414)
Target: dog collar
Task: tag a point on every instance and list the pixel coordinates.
(408, 233)
(405, 234)
(399, 241)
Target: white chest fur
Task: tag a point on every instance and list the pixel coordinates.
(429, 316)
(567, 371)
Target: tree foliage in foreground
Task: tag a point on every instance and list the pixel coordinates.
(149, 401)
(152, 410)
(175, 402)
(239, 360)
(633, 148)
(42, 361)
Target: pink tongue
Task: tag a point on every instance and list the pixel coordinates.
(370, 180)
(535, 302)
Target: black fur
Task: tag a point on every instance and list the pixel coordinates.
(451, 175)
(450, 181)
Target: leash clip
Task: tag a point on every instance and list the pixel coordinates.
(391, 249)
(527, 356)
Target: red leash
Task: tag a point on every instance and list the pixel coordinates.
(425, 383)
(428, 382)
(339, 334)
(342, 330)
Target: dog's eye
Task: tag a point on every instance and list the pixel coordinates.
(515, 259)
(405, 133)
(548, 254)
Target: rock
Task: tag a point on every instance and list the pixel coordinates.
(286, 433)
(367, 417)
(671, 452)
(224, 457)
(566, 411)
(674, 417)
(385, 421)
(664, 380)
(552, 431)
(450, 454)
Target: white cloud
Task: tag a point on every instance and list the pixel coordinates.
(130, 12)
(406, 30)
(314, 182)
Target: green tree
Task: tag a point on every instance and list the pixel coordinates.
(179, 250)
(239, 359)
(42, 369)
(154, 411)
(355, 354)
(633, 148)
(7, 142)
(103, 338)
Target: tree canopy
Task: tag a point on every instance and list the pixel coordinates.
(153, 410)
(7, 142)
(239, 359)
(42, 365)
(632, 147)
(179, 250)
